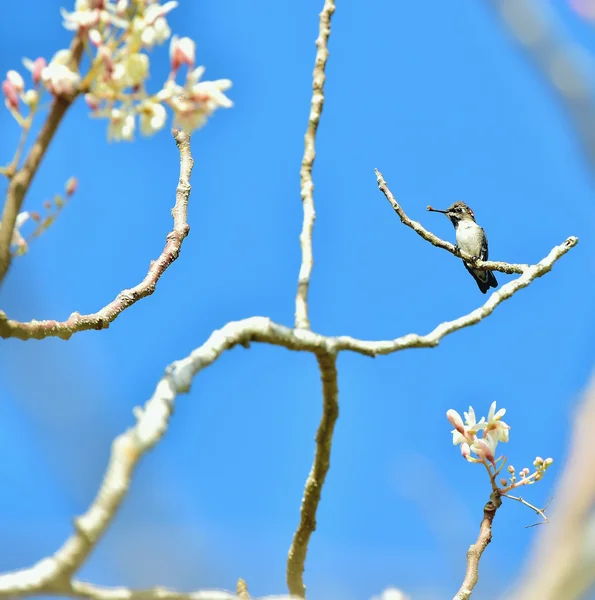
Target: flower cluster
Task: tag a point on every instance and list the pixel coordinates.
(480, 438)
(117, 35)
(15, 92)
(465, 433)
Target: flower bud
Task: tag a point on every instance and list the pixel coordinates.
(17, 81)
(71, 186)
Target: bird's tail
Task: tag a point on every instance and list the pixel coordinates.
(484, 279)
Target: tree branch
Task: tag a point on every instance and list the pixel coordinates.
(126, 298)
(324, 438)
(476, 550)
(306, 183)
(436, 241)
(22, 179)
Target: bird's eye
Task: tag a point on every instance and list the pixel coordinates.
(459, 209)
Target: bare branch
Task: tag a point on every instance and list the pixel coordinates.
(476, 550)
(436, 241)
(562, 563)
(324, 438)
(563, 65)
(539, 511)
(306, 183)
(22, 179)
(126, 298)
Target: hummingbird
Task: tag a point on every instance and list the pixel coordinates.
(472, 240)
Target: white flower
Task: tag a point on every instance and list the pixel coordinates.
(91, 13)
(131, 71)
(16, 80)
(59, 79)
(121, 126)
(156, 33)
(464, 432)
(152, 27)
(495, 426)
(152, 117)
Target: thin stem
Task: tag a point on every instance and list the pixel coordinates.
(306, 183)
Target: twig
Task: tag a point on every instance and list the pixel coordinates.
(315, 482)
(21, 181)
(126, 298)
(539, 511)
(476, 550)
(306, 183)
(436, 241)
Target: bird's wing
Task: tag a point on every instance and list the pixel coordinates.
(484, 247)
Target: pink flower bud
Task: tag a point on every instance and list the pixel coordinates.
(465, 450)
(38, 66)
(71, 186)
(181, 52)
(11, 94)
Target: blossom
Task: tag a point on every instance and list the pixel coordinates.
(495, 426)
(152, 117)
(121, 126)
(208, 93)
(182, 51)
(464, 432)
(152, 28)
(91, 13)
(58, 77)
(131, 71)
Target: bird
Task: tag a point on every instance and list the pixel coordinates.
(472, 240)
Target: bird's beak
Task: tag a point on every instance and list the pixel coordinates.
(436, 210)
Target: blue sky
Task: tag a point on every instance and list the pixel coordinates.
(438, 98)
